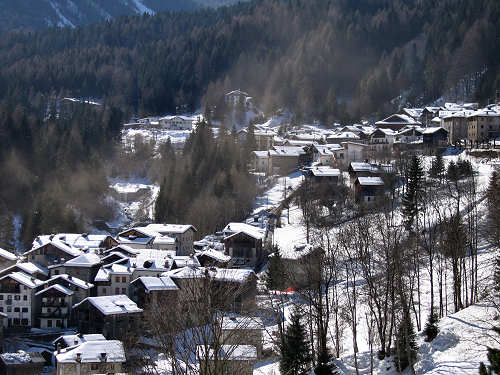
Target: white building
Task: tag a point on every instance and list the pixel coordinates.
(178, 122)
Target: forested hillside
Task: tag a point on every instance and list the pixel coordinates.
(325, 59)
(40, 14)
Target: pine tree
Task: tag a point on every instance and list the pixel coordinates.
(275, 277)
(493, 207)
(406, 346)
(295, 355)
(482, 369)
(413, 195)
(431, 328)
(325, 365)
(437, 167)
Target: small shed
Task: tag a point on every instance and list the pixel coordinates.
(21, 363)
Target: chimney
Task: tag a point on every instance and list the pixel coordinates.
(78, 357)
(58, 348)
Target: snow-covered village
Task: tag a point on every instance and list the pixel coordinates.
(250, 187)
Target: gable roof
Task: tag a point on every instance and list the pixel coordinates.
(84, 260)
(112, 305)
(91, 351)
(156, 283)
(170, 228)
(24, 279)
(325, 172)
(235, 228)
(397, 119)
(370, 181)
(71, 340)
(7, 255)
(71, 280)
(57, 287)
(28, 267)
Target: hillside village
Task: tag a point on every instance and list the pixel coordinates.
(99, 303)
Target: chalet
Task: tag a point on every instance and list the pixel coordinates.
(414, 113)
(323, 174)
(360, 169)
(236, 97)
(7, 259)
(338, 138)
(91, 357)
(114, 278)
(231, 359)
(213, 258)
(32, 269)
(55, 302)
(325, 154)
(264, 138)
(17, 299)
(146, 290)
(409, 134)
(435, 137)
(112, 316)
(244, 244)
(483, 125)
(367, 189)
(81, 289)
(81, 241)
(382, 140)
(396, 122)
(428, 113)
(182, 233)
(21, 363)
(84, 267)
(54, 252)
(298, 259)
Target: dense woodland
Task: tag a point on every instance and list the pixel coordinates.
(328, 59)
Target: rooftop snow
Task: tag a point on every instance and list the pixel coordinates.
(112, 305)
(233, 228)
(24, 279)
(241, 322)
(85, 260)
(71, 339)
(157, 283)
(325, 172)
(7, 254)
(72, 280)
(91, 351)
(370, 181)
(170, 228)
(57, 287)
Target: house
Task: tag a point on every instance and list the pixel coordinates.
(84, 267)
(21, 363)
(17, 299)
(34, 270)
(146, 290)
(91, 357)
(428, 113)
(177, 122)
(325, 154)
(7, 259)
(54, 252)
(182, 233)
(264, 138)
(146, 238)
(396, 122)
(236, 97)
(456, 124)
(261, 161)
(435, 137)
(244, 244)
(338, 138)
(66, 341)
(382, 140)
(483, 125)
(231, 359)
(82, 241)
(298, 259)
(409, 134)
(285, 159)
(81, 289)
(113, 316)
(55, 303)
(213, 258)
(114, 278)
(367, 189)
(323, 174)
(242, 330)
(353, 151)
(414, 113)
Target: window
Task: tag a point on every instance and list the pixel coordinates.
(104, 291)
(9, 296)
(9, 309)
(24, 322)
(124, 279)
(117, 279)
(117, 290)
(25, 309)
(124, 290)
(49, 323)
(17, 297)
(94, 366)
(25, 298)
(56, 272)
(16, 309)
(1, 297)
(1, 309)
(16, 321)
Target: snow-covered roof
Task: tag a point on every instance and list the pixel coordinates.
(115, 268)
(397, 119)
(92, 351)
(286, 151)
(29, 268)
(237, 275)
(71, 340)
(21, 358)
(344, 135)
(413, 112)
(261, 154)
(164, 240)
(169, 228)
(72, 280)
(157, 283)
(186, 260)
(57, 242)
(7, 255)
(234, 228)
(295, 251)
(434, 130)
(237, 92)
(84, 260)
(370, 181)
(325, 172)
(215, 254)
(231, 352)
(123, 248)
(485, 112)
(232, 322)
(359, 167)
(24, 279)
(112, 305)
(57, 287)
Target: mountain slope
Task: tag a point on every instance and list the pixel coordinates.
(38, 14)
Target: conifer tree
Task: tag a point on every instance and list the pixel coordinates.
(431, 328)
(406, 346)
(295, 355)
(437, 167)
(413, 195)
(325, 366)
(493, 206)
(275, 277)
